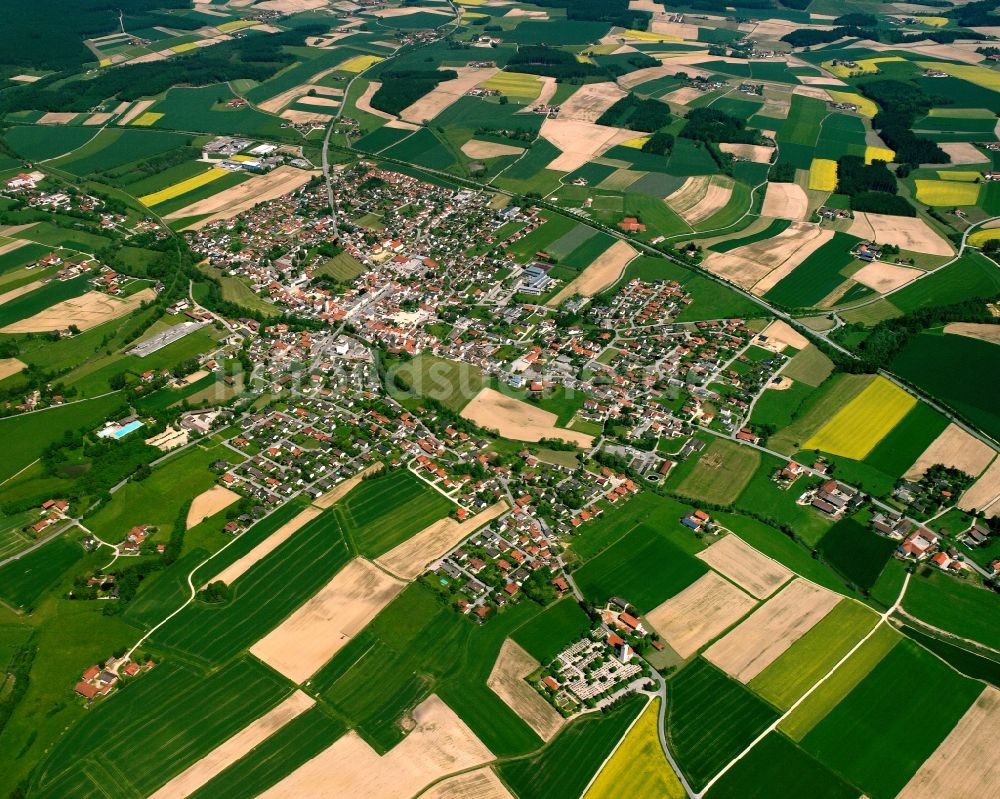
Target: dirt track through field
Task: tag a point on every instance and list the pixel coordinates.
(745, 566)
(210, 502)
(955, 448)
(602, 273)
(234, 571)
(314, 633)
(227, 753)
(409, 559)
(232, 201)
(761, 639)
(86, 311)
(507, 681)
(439, 744)
(965, 764)
(518, 420)
(700, 613)
(341, 490)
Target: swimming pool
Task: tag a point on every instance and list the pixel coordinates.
(121, 432)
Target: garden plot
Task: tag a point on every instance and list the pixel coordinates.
(756, 643)
(507, 681)
(224, 755)
(232, 201)
(590, 101)
(518, 420)
(907, 233)
(955, 448)
(755, 573)
(319, 629)
(602, 273)
(444, 94)
(883, 277)
(209, 503)
(785, 201)
(699, 613)
(748, 266)
(409, 559)
(237, 569)
(580, 142)
(89, 310)
(965, 763)
(439, 744)
(701, 196)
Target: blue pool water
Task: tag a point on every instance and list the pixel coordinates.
(121, 432)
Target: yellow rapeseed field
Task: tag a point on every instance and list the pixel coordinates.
(183, 48)
(183, 187)
(235, 25)
(980, 237)
(823, 174)
(514, 84)
(934, 22)
(866, 107)
(621, 775)
(637, 143)
(359, 63)
(864, 421)
(960, 175)
(648, 36)
(947, 192)
(147, 119)
(879, 153)
(866, 66)
(981, 76)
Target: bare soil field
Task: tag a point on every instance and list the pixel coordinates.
(89, 310)
(962, 153)
(446, 93)
(785, 201)
(314, 633)
(305, 117)
(756, 643)
(274, 104)
(479, 784)
(10, 366)
(757, 153)
(640, 76)
(603, 272)
(591, 100)
(754, 572)
(121, 108)
(57, 117)
(235, 570)
(700, 197)
(405, 12)
(747, 266)
(984, 493)
(232, 201)
(580, 142)
(409, 559)
(488, 149)
(980, 332)
(524, 12)
(227, 753)
(685, 30)
(26, 78)
(907, 233)
(7, 296)
(135, 111)
(683, 95)
(210, 502)
(438, 745)
(812, 91)
(341, 490)
(322, 102)
(290, 6)
(965, 763)
(364, 102)
(518, 420)
(98, 119)
(646, 5)
(883, 277)
(700, 613)
(793, 261)
(507, 681)
(956, 448)
(780, 335)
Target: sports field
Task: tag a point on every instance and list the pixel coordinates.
(177, 189)
(386, 510)
(855, 430)
(621, 777)
(823, 174)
